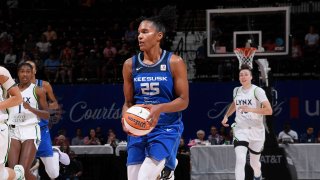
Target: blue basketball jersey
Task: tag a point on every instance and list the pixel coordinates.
(45, 147)
(42, 122)
(153, 84)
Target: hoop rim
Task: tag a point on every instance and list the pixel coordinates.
(244, 48)
(245, 51)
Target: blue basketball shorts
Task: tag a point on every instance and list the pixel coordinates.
(45, 147)
(161, 143)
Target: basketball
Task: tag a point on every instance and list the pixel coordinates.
(135, 120)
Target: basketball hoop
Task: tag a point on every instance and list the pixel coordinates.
(245, 55)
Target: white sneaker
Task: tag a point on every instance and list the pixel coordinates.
(63, 157)
(19, 170)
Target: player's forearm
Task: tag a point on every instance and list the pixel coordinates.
(53, 105)
(126, 106)
(43, 114)
(262, 111)
(179, 104)
(12, 101)
(231, 110)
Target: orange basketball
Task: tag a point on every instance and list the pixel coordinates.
(135, 120)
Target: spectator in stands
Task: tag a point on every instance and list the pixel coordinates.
(183, 149)
(288, 135)
(215, 138)
(296, 49)
(311, 41)
(5, 42)
(44, 47)
(50, 34)
(131, 34)
(216, 34)
(223, 132)
(229, 138)
(66, 57)
(99, 134)
(61, 140)
(78, 140)
(90, 66)
(200, 139)
(308, 137)
(200, 61)
(92, 139)
(30, 43)
(10, 58)
(51, 68)
(124, 52)
(112, 139)
(87, 3)
(109, 62)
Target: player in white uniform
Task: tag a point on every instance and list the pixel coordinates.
(50, 156)
(250, 104)
(7, 86)
(23, 121)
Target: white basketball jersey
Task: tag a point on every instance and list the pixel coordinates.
(3, 94)
(3, 112)
(252, 99)
(20, 116)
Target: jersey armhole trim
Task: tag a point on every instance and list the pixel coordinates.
(236, 92)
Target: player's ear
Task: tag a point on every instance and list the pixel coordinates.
(160, 35)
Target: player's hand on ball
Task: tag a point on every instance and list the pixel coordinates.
(224, 122)
(125, 129)
(155, 111)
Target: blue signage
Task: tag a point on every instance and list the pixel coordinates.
(89, 106)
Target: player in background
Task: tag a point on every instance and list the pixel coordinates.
(8, 86)
(250, 104)
(50, 156)
(158, 79)
(23, 121)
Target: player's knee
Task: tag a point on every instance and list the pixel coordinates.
(53, 172)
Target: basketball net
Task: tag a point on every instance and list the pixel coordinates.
(245, 55)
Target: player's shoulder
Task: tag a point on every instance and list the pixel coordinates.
(128, 62)
(127, 65)
(4, 71)
(46, 84)
(257, 88)
(176, 59)
(236, 88)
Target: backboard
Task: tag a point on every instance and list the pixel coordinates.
(266, 29)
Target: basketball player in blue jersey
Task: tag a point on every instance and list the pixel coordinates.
(23, 121)
(8, 86)
(250, 104)
(157, 79)
(49, 156)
